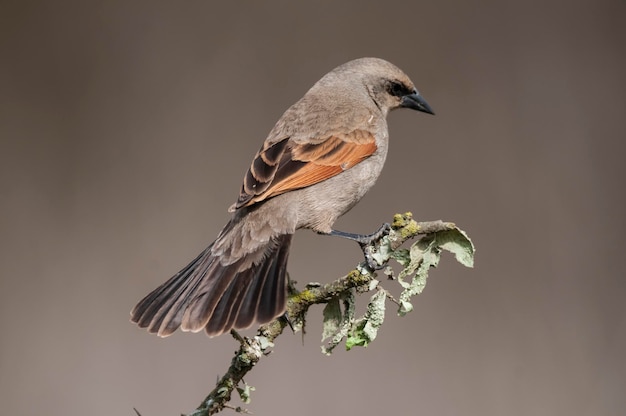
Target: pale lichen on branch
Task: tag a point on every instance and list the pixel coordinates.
(339, 296)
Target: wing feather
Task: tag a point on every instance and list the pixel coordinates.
(286, 165)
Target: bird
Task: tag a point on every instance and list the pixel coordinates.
(320, 158)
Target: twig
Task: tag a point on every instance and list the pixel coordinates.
(251, 350)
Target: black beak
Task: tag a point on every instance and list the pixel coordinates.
(416, 102)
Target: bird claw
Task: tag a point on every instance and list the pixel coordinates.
(366, 242)
(367, 246)
(372, 264)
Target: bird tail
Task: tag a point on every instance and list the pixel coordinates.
(216, 297)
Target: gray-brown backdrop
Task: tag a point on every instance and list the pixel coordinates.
(126, 128)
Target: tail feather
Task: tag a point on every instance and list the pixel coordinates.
(211, 289)
(245, 316)
(215, 297)
(149, 313)
(231, 306)
(231, 298)
(274, 294)
(175, 295)
(235, 301)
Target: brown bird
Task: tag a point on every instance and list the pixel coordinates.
(319, 160)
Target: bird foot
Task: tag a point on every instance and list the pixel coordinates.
(366, 243)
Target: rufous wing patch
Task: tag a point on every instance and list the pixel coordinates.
(286, 165)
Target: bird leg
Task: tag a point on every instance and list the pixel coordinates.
(365, 241)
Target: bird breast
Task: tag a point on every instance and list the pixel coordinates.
(320, 205)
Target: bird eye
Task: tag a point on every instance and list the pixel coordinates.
(396, 89)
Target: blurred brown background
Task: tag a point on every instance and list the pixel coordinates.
(126, 128)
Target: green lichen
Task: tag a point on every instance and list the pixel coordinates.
(305, 296)
(400, 220)
(409, 230)
(405, 225)
(358, 278)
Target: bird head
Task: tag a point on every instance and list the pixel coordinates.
(385, 84)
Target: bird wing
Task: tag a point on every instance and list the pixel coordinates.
(288, 165)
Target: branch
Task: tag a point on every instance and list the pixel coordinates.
(251, 350)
